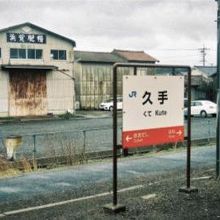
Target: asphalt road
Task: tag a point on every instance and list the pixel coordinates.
(201, 127)
(56, 137)
(32, 127)
(75, 183)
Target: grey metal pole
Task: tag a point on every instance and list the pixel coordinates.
(34, 150)
(84, 142)
(218, 91)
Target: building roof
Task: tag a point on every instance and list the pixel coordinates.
(98, 57)
(135, 56)
(197, 80)
(40, 29)
(208, 70)
(197, 72)
(42, 67)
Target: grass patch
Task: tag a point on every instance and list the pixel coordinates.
(14, 168)
(8, 168)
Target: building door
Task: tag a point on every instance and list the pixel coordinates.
(28, 93)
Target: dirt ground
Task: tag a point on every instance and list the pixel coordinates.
(158, 198)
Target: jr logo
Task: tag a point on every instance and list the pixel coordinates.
(132, 94)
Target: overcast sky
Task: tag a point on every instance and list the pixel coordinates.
(170, 30)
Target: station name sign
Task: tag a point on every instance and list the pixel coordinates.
(26, 38)
(152, 110)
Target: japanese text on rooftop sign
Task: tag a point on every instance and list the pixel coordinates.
(26, 38)
(152, 110)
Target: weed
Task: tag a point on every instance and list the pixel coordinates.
(24, 164)
(67, 115)
(7, 168)
(68, 153)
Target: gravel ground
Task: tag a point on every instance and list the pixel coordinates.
(166, 202)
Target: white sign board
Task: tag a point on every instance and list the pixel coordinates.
(152, 110)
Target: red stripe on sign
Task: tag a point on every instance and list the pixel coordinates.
(147, 137)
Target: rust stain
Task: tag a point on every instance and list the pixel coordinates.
(28, 93)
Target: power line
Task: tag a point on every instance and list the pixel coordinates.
(201, 50)
(179, 49)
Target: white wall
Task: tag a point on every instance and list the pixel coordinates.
(4, 80)
(60, 88)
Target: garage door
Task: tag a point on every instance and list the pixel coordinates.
(28, 93)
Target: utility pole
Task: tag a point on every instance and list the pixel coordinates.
(203, 53)
(218, 91)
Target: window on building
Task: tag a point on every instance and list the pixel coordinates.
(58, 54)
(54, 54)
(39, 54)
(34, 53)
(16, 53)
(31, 54)
(62, 55)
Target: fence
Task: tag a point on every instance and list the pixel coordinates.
(63, 143)
(70, 143)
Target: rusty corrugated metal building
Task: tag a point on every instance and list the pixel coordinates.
(93, 72)
(36, 75)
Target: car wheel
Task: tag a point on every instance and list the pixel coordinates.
(203, 114)
(111, 108)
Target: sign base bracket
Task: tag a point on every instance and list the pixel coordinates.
(110, 208)
(188, 190)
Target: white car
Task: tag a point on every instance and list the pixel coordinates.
(108, 104)
(202, 108)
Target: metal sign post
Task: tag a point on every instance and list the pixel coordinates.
(188, 188)
(218, 92)
(115, 207)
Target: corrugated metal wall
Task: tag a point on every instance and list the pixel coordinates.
(60, 93)
(94, 83)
